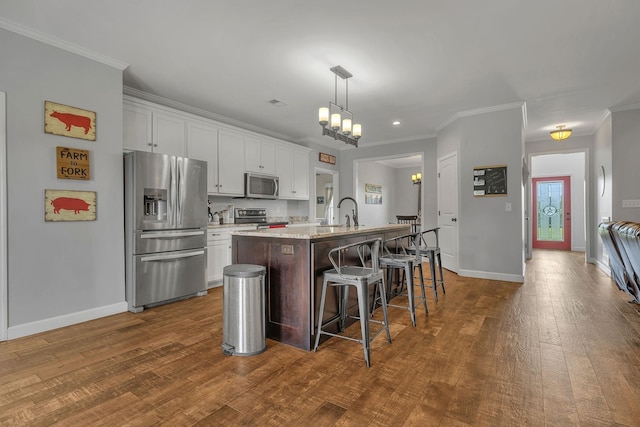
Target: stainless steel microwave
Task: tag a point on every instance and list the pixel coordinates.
(259, 186)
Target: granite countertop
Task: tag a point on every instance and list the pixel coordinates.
(317, 231)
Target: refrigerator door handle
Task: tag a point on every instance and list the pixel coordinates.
(179, 173)
(161, 234)
(171, 256)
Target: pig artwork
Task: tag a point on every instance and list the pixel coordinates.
(70, 204)
(73, 120)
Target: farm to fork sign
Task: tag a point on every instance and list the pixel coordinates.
(72, 163)
(69, 121)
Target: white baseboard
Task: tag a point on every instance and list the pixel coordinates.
(491, 276)
(65, 320)
(603, 267)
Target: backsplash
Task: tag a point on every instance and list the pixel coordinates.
(292, 211)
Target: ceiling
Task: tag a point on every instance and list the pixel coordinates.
(421, 62)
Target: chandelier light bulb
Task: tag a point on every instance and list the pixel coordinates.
(346, 126)
(357, 130)
(323, 116)
(335, 121)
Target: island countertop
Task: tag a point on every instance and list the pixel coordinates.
(320, 231)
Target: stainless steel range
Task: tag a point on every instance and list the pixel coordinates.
(255, 216)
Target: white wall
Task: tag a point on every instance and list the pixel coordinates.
(569, 164)
(60, 273)
(406, 192)
(378, 174)
(602, 189)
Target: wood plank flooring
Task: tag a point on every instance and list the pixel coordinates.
(562, 349)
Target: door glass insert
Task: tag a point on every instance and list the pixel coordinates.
(550, 196)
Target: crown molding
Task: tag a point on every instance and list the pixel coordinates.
(59, 43)
(484, 110)
(135, 93)
(625, 108)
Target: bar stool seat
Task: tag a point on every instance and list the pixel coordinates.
(362, 278)
(432, 253)
(405, 262)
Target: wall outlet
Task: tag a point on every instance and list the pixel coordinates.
(631, 203)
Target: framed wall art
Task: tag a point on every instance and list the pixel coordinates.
(69, 121)
(372, 194)
(69, 205)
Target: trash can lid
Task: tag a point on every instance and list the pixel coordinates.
(244, 270)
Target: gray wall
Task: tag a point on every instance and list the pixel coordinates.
(625, 154)
(60, 272)
(491, 238)
(427, 148)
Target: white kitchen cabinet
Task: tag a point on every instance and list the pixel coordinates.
(260, 155)
(137, 126)
(230, 163)
(218, 255)
(202, 144)
(292, 167)
(154, 130)
(169, 134)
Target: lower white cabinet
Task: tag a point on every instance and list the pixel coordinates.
(218, 255)
(219, 252)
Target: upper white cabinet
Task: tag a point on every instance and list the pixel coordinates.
(148, 129)
(137, 124)
(259, 155)
(230, 163)
(202, 144)
(292, 167)
(228, 151)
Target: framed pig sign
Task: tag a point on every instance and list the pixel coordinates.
(69, 205)
(69, 121)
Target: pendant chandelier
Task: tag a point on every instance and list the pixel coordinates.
(560, 134)
(342, 127)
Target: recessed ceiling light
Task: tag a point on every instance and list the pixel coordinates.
(396, 123)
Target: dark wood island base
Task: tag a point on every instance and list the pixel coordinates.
(296, 259)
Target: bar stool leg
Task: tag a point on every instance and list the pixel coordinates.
(322, 298)
(385, 314)
(441, 276)
(343, 304)
(412, 308)
(424, 295)
(363, 308)
(432, 268)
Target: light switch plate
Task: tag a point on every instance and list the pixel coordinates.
(507, 207)
(631, 203)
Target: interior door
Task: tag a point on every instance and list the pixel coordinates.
(552, 213)
(448, 210)
(3, 220)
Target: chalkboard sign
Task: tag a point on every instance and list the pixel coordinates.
(490, 181)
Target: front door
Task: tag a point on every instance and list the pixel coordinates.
(552, 218)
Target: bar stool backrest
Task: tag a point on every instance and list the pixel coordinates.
(370, 247)
(401, 244)
(408, 219)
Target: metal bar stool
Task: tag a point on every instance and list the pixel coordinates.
(361, 277)
(432, 253)
(409, 219)
(396, 257)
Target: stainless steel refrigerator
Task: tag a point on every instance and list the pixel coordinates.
(165, 228)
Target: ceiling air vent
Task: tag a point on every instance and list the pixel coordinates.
(277, 103)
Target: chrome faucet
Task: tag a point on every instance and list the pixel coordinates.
(354, 213)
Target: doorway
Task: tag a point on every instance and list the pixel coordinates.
(325, 198)
(552, 213)
(3, 219)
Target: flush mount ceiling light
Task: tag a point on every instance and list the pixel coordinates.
(342, 128)
(560, 134)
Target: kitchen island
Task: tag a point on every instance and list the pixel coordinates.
(296, 259)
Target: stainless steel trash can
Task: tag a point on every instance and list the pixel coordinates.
(243, 322)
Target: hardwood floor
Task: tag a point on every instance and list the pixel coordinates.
(561, 349)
